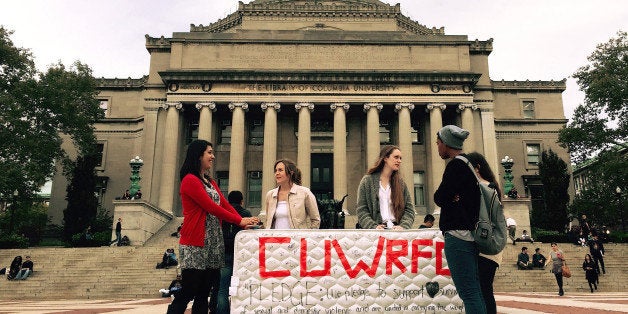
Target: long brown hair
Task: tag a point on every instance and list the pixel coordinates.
(478, 161)
(396, 182)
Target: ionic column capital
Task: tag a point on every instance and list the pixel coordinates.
(308, 105)
(176, 105)
(242, 105)
(342, 105)
(210, 105)
(274, 105)
(375, 105)
(430, 107)
(400, 106)
(472, 106)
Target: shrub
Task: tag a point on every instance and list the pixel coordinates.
(549, 236)
(13, 241)
(618, 237)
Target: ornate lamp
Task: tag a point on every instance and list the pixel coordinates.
(136, 163)
(507, 162)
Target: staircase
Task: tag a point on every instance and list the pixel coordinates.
(129, 272)
(124, 272)
(510, 279)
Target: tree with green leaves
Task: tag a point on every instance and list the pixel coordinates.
(598, 131)
(37, 108)
(602, 121)
(555, 179)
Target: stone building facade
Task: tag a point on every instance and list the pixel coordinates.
(324, 83)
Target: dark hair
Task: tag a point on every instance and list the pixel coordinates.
(478, 161)
(524, 248)
(293, 173)
(192, 163)
(537, 249)
(235, 197)
(589, 255)
(396, 182)
(428, 217)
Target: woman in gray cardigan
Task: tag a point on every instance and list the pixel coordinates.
(383, 182)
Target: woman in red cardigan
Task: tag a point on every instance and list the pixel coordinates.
(201, 246)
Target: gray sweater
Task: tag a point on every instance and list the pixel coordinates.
(369, 215)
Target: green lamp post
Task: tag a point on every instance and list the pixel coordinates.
(507, 162)
(136, 163)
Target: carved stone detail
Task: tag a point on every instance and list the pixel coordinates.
(429, 107)
(375, 105)
(399, 106)
(210, 105)
(176, 105)
(274, 105)
(242, 105)
(307, 105)
(342, 105)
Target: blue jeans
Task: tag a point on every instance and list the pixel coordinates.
(23, 274)
(222, 298)
(462, 259)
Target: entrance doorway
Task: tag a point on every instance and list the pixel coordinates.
(323, 176)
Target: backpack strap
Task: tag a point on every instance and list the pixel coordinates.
(466, 161)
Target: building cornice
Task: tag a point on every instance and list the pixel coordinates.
(554, 86)
(348, 9)
(120, 83)
(532, 121)
(154, 44)
(407, 77)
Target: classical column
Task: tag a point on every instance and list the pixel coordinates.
(466, 111)
(340, 149)
(270, 146)
(205, 120)
(304, 146)
(372, 132)
(169, 160)
(438, 164)
(489, 138)
(405, 143)
(238, 145)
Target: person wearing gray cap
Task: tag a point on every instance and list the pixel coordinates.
(459, 199)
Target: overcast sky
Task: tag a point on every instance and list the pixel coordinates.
(533, 39)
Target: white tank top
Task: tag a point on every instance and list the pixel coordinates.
(282, 217)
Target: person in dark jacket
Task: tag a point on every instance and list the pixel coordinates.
(458, 196)
(15, 268)
(596, 248)
(221, 297)
(590, 272)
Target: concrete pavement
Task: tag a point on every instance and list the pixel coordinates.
(511, 303)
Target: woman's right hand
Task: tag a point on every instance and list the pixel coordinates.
(246, 221)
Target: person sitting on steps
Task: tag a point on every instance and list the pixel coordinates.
(523, 260)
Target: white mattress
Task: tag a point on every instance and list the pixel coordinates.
(299, 277)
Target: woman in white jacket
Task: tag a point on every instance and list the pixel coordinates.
(290, 205)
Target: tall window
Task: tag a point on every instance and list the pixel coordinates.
(254, 193)
(533, 153)
(222, 178)
(416, 133)
(256, 132)
(419, 188)
(225, 132)
(100, 154)
(528, 109)
(384, 132)
(192, 132)
(104, 106)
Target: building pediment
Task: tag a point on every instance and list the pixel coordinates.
(289, 10)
